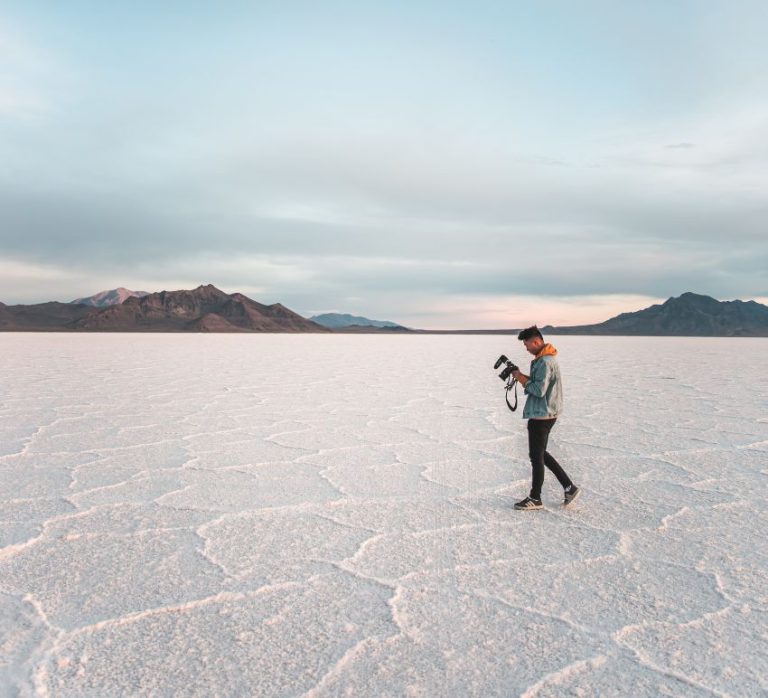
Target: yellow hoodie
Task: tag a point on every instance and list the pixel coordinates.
(547, 350)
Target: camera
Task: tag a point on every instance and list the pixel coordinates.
(506, 375)
(508, 368)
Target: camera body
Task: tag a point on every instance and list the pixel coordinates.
(508, 368)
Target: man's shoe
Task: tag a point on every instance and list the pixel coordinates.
(529, 503)
(570, 494)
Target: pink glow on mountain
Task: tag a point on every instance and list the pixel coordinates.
(114, 296)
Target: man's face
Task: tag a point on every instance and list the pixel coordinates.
(533, 345)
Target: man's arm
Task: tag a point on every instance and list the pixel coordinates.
(539, 380)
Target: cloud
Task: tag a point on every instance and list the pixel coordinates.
(445, 224)
(28, 282)
(377, 200)
(368, 198)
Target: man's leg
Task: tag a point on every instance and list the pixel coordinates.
(571, 491)
(538, 438)
(556, 468)
(538, 431)
(553, 465)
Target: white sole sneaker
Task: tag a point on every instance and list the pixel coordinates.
(528, 504)
(573, 497)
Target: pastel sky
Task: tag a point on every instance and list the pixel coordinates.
(439, 164)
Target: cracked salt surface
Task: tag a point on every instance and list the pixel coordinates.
(309, 515)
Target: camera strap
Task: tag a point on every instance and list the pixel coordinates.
(506, 395)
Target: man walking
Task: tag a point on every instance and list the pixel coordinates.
(542, 407)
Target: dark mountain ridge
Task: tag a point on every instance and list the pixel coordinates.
(41, 316)
(204, 309)
(691, 314)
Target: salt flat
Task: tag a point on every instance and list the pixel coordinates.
(286, 515)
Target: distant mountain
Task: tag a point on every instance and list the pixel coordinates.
(104, 299)
(204, 309)
(342, 320)
(42, 316)
(208, 309)
(6, 316)
(690, 315)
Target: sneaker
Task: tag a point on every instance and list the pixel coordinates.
(570, 494)
(529, 503)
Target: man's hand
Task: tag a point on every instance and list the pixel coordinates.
(521, 377)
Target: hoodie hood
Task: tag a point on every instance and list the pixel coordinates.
(547, 350)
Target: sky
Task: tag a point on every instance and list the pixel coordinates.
(438, 164)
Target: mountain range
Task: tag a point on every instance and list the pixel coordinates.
(208, 309)
(204, 309)
(690, 314)
(337, 321)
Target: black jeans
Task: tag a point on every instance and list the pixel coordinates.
(538, 435)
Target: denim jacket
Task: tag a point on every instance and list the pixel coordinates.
(544, 389)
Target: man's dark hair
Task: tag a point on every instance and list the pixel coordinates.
(529, 332)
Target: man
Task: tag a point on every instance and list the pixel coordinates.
(542, 407)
